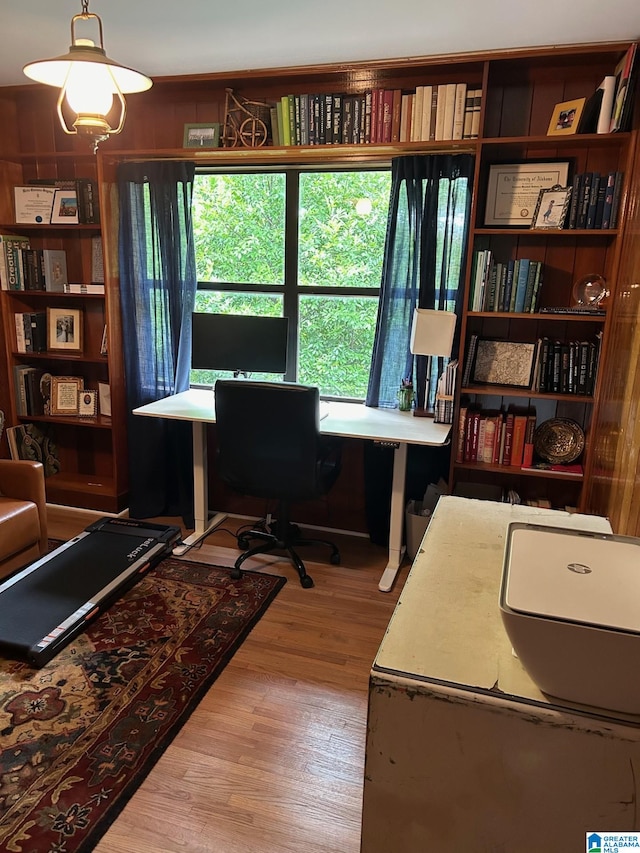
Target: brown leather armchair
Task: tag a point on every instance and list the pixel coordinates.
(23, 514)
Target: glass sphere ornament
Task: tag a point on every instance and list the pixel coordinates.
(589, 291)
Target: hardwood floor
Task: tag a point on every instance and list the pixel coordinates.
(273, 757)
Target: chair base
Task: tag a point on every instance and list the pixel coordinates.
(281, 536)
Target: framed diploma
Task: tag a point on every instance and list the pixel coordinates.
(513, 190)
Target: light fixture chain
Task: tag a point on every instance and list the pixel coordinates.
(85, 8)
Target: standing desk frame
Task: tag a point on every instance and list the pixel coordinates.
(348, 420)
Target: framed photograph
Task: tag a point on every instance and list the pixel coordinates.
(504, 363)
(566, 117)
(87, 403)
(64, 394)
(201, 135)
(64, 329)
(551, 209)
(65, 208)
(513, 190)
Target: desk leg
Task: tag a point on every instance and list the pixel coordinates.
(203, 526)
(396, 551)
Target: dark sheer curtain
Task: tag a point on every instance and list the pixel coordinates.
(157, 290)
(424, 261)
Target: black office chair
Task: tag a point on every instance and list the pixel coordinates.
(270, 446)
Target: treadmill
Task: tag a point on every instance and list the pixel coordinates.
(46, 604)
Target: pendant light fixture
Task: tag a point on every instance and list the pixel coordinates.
(89, 82)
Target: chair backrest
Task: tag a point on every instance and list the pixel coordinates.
(268, 438)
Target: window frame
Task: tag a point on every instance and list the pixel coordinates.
(290, 289)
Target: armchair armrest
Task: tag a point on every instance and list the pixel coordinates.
(24, 481)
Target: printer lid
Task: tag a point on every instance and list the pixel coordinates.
(572, 575)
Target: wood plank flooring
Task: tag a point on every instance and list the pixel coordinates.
(272, 760)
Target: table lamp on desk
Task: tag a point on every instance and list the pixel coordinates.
(431, 335)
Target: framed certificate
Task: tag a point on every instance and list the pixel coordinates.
(513, 190)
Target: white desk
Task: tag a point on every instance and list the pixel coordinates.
(350, 420)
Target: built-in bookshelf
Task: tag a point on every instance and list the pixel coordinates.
(509, 100)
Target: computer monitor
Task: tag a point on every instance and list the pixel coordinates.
(240, 343)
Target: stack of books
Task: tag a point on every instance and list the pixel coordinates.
(444, 396)
(24, 268)
(496, 437)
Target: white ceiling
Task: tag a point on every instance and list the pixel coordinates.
(200, 36)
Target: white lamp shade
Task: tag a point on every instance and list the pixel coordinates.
(432, 332)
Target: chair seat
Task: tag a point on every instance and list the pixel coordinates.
(19, 526)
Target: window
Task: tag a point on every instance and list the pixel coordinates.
(303, 244)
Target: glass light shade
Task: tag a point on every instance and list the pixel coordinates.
(90, 88)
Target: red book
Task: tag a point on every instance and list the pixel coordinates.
(395, 115)
(508, 438)
(462, 424)
(517, 444)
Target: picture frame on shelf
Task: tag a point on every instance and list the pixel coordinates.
(204, 135)
(104, 397)
(551, 209)
(565, 118)
(87, 403)
(513, 190)
(65, 208)
(500, 362)
(64, 329)
(64, 394)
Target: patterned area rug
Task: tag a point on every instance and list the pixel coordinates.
(78, 736)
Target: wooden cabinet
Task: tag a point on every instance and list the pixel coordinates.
(520, 90)
(90, 450)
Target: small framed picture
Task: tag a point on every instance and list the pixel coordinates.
(566, 117)
(64, 394)
(65, 208)
(201, 135)
(87, 403)
(64, 329)
(551, 209)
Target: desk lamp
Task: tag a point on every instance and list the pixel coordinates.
(431, 335)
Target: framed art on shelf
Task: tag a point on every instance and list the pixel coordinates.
(64, 394)
(513, 190)
(503, 363)
(64, 329)
(65, 208)
(87, 403)
(201, 135)
(551, 209)
(566, 117)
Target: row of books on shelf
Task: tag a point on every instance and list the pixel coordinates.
(25, 268)
(443, 412)
(566, 367)
(511, 286)
(440, 112)
(500, 438)
(595, 200)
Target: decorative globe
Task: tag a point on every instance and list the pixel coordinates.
(590, 290)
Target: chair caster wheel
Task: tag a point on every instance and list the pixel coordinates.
(243, 543)
(236, 574)
(335, 559)
(306, 582)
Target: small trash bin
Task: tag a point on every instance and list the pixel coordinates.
(416, 524)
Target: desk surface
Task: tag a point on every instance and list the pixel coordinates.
(352, 420)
